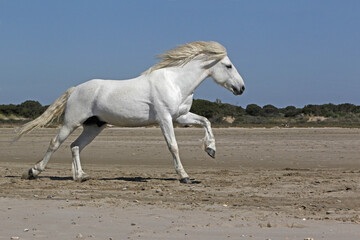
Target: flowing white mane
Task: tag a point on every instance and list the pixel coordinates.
(185, 53)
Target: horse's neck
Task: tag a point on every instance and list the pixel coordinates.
(190, 76)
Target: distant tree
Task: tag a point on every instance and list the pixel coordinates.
(330, 109)
(226, 109)
(253, 110)
(270, 110)
(311, 110)
(240, 111)
(291, 111)
(205, 108)
(357, 109)
(30, 109)
(9, 109)
(347, 108)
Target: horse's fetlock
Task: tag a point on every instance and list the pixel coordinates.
(181, 172)
(36, 171)
(32, 173)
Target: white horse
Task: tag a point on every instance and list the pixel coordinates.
(163, 94)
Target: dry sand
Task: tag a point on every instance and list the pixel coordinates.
(263, 184)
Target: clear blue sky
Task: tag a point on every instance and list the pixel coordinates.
(288, 52)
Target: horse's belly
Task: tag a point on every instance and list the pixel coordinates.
(127, 116)
(129, 122)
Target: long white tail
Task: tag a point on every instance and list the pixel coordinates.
(53, 111)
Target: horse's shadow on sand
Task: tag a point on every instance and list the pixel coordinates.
(126, 179)
(137, 179)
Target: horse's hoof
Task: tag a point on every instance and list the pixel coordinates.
(185, 180)
(28, 175)
(211, 152)
(82, 179)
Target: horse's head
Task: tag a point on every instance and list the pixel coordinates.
(225, 74)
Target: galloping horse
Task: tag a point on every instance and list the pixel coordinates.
(163, 94)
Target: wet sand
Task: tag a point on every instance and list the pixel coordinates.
(263, 184)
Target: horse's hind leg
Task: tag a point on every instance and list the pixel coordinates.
(89, 133)
(209, 140)
(55, 143)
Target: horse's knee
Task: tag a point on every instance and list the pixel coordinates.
(174, 148)
(54, 144)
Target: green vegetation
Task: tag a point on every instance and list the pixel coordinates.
(227, 115)
(326, 115)
(18, 114)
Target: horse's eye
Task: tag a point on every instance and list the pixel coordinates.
(228, 66)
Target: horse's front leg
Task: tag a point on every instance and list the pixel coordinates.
(209, 140)
(167, 128)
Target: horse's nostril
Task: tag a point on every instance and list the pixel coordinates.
(237, 91)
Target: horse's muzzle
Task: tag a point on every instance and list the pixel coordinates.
(238, 91)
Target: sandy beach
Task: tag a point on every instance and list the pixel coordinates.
(264, 184)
